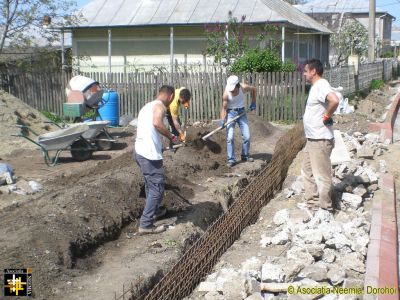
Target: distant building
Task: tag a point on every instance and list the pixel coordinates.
(333, 13)
(145, 33)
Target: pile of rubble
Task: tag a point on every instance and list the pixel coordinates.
(9, 183)
(321, 249)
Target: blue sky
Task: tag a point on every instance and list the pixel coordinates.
(391, 6)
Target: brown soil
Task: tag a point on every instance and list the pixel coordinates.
(78, 234)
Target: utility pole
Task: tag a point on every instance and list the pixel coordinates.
(371, 31)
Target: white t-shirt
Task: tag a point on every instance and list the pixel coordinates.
(316, 107)
(235, 101)
(148, 140)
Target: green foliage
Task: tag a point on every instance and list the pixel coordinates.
(22, 21)
(256, 60)
(52, 117)
(376, 84)
(387, 54)
(90, 114)
(352, 38)
(288, 67)
(171, 243)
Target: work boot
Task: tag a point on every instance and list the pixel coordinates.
(151, 230)
(230, 164)
(247, 159)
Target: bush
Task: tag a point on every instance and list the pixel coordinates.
(387, 54)
(376, 84)
(288, 67)
(256, 60)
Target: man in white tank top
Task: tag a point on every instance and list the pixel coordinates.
(321, 104)
(148, 155)
(233, 105)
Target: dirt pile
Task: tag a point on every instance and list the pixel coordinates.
(15, 112)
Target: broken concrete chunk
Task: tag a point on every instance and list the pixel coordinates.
(235, 288)
(280, 239)
(329, 255)
(272, 273)
(339, 241)
(310, 236)
(213, 296)
(281, 217)
(317, 272)
(300, 255)
(365, 152)
(207, 286)
(351, 200)
(336, 274)
(360, 190)
(258, 296)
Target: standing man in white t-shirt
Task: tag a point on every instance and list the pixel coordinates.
(148, 155)
(233, 104)
(321, 104)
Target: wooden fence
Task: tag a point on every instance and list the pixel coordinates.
(280, 96)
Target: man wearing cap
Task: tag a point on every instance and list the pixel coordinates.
(182, 96)
(233, 105)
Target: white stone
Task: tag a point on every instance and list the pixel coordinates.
(252, 267)
(360, 190)
(252, 286)
(207, 286)
(300, 255)
(329, 230)
(317, 272)
(272, 273)
(265, 241)
(213, 296)
(35, 186)
(336, 275)
(235, 288)
(338, 241)
(351, 200)
(372, 137)
(323, 215)
(310, 236)
(329, 255)
(257, 296)
(281, 217)
(280, 239)
(354, 261)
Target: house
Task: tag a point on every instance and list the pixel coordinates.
(333, 14)
(117, 34)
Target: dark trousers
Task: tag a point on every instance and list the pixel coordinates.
(154, 181)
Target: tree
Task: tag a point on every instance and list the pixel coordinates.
(21, 20)
(227, 42)
(351, 38)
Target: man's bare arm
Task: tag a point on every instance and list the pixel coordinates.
(176, 124)
(158, 116)
(252, 89)
(224, 106)
(333, 102)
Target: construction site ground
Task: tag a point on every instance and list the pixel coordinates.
(79, 233)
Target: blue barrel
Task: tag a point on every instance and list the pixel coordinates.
(109, 111)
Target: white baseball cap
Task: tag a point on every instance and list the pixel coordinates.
(231, 83)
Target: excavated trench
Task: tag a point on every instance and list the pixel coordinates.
(200, 258)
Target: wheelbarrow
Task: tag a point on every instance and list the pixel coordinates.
(70, 138)
(97, 133)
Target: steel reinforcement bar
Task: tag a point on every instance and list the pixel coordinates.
(199, 260)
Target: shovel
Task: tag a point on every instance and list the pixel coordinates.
(204, 138)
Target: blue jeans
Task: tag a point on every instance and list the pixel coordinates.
(154, 180)
(230, 133)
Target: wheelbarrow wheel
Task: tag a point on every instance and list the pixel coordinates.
(102, 143)
(81, 150)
